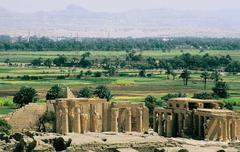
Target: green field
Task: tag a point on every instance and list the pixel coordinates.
(27, 56)
(131, 88)
(6, 110)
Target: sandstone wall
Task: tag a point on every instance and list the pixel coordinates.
(26, 117)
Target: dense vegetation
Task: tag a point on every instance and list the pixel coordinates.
(110, 44)
(4, 126)
(25, 96)
(135, 60)
(131, 68)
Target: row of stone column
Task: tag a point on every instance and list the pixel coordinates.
(163, 124)
(222, 130)
(128, 122)
(227, 129)
(78, 121)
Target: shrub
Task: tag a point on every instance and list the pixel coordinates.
(203, 95)
(34, 77)
(103, 92)
(123, 74)
(61, 77)
(85, 92)
(47, 118)
(229, 105)
(20, 146)
(97, 74)
(221, 89)
(25, 77)
(25, 95)
(149, 75)
(183, 150)
(4, 126)
(173, 95)
(31, 146)
(59, 144)
(80, 75)
(23, 146)
(88, 73)
(55, 92)
(150, 102)
(160, 150)
(142, 73)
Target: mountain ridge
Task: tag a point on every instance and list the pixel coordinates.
(74, 19)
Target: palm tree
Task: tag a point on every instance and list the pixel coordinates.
(7, 61)
(205, 75)
(216, 76)
(185, 75)
(86, 55)
(168, 71)
(48, 62)
(174, 74)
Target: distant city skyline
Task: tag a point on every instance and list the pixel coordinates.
(118, 5)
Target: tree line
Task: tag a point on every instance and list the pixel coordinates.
(134, 60)
(35, 43)
(27, 94)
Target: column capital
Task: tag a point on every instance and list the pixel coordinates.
(77, 110)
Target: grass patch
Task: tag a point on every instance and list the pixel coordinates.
(233, 100)
(129, 99)
(8, 101)
(6, 110)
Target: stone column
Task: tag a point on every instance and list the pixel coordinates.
(195, 123)
(205, 127)
(155, 121)
(160, 124)
(145, 119)
(155, 117)
(224, 129)
(93, 119)
(77, 120)
(65, 129)
(128, 125)
(72, 123)
(185, 118)
(234, 130)
(180, 125)
(229, 135)
(139, 120)
(200, 126)
(105, 118)
(58, 118)
(169, 126)
(220, 124)
(114, 120)
(84, 123)
(95, 122)
(194, 131)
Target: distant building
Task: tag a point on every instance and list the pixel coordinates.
(195, 118)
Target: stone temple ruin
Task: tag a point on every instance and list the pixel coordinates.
(80, 115)
(183, 117)
(202, 119)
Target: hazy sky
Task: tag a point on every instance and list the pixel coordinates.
(118, 5)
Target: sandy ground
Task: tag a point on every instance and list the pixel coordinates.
(170, 144)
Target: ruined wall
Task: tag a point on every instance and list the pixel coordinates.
(81, 115)
(201, 119)
(25, 118)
